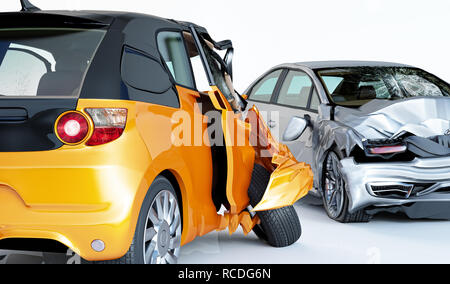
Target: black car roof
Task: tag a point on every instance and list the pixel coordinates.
(99, 17)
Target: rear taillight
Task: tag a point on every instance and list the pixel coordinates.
(72, 128)
(384, 150)
(109, 124)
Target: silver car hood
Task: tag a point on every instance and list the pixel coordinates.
(382, 119)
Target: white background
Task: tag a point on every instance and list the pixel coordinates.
(269, 32)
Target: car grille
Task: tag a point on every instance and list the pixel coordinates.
(405, 191)
(392, 191)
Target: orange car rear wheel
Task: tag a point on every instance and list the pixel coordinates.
(157, 238)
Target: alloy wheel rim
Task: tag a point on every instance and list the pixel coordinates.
(162, 235)
(334, 186)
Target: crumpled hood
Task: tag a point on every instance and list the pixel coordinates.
(381, 119)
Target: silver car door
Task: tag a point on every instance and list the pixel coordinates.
(294, 99)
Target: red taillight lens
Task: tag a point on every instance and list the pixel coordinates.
(72, 128)
(109, 124)
(388, 150)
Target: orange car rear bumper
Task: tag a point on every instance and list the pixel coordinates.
(76, 195)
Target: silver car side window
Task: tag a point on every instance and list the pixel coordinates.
(263, 91)
(315, 101)
(296, 90)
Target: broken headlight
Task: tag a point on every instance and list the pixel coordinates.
(384, 148)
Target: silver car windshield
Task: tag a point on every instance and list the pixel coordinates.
(356, 86)
(45, 62)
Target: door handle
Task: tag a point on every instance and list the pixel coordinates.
(272, 124)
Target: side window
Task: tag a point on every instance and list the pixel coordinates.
(144, 73)
(332, 83)
(263, 91)
(200, 77)
(315, 101)
(199, 73)
(172, 49)
(295, 90)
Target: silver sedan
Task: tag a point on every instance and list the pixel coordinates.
(376, 134)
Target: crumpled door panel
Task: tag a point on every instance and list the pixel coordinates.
(290, 180)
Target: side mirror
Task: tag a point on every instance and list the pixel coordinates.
(295, 129)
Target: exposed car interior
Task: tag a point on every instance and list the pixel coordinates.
(222, 79)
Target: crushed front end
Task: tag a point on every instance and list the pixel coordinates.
(409, 174)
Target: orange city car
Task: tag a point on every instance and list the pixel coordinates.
(108, 148)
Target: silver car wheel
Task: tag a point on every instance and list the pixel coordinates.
(334, 186)
(162, 235)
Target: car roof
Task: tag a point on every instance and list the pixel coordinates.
(102, 17)
(342, 64)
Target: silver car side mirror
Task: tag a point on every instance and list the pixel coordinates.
(295, 129)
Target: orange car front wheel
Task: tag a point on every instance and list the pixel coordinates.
(280, 227)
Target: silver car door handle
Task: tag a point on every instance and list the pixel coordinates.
(272, 124)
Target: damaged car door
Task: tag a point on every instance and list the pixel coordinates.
(285, 178)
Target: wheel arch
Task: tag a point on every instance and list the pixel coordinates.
(171, 177)
(181, 185)
(321, 166)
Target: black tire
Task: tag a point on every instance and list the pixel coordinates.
(280, 227)
(135, 253)
(342, 215)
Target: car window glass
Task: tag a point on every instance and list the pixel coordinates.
(360, 85)
(200, 77)
(332, 82)
(380, 88)
(45, 62)
(315, 101)
(172, 49)
(144, 73)
(29, 73)
(418, 85)
(263, 91)
(296, 90)
(199, 73)
(216, 70)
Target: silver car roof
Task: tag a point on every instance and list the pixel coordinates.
(342, 64)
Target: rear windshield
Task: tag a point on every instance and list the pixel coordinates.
(45, 62)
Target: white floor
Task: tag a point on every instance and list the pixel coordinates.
(386, 239)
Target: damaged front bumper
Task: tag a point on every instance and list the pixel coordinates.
(420, 188)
